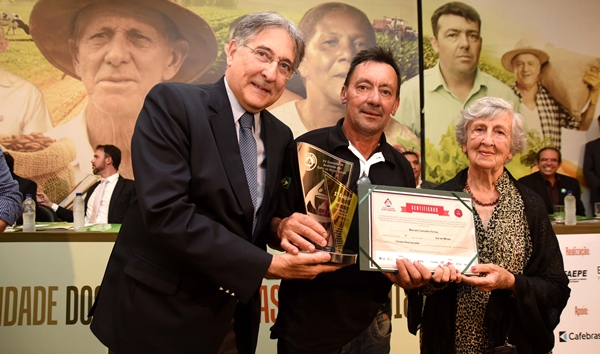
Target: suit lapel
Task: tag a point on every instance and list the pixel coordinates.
(115, 195)
(223, 126)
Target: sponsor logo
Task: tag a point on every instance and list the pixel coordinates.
(458, 213)
(576, 251)
(387, 206)
(576, 275)
(285, 182)
(564, 336)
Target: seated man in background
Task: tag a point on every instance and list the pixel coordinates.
(10, 198)
(26, 186)
(106, 201)
(591, 168)
(415, 162)
(552, 186)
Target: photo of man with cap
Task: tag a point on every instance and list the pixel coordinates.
(541, 111)
(119, 51)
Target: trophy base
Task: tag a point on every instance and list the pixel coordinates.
(342, 258)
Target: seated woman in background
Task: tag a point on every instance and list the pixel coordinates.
(522, 288)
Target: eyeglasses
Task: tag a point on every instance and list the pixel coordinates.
(544, 159)
(285, 69)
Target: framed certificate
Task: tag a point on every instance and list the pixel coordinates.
(430, 226)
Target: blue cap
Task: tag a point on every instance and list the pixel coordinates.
(27, 195)
(78, 194)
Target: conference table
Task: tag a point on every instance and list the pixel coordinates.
(49, 280)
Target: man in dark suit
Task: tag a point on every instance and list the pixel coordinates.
(107, 201)
(189, 260)
(591, 168)
(415, 161)
(552, 186)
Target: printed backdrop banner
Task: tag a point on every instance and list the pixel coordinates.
(90, 92)
(558, 32)
(579, 327)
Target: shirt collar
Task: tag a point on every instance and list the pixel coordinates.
(236, 107)
(438, 81)
(112, 178)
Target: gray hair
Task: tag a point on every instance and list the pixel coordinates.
(490, 108)
(253, 24)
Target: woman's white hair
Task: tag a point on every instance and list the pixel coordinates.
(490, 108)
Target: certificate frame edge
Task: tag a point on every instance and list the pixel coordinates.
(364, 213)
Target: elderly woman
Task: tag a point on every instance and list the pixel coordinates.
(522, 288)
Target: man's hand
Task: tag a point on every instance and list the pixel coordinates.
(295, 232)
(43, 199)
(494, 277)
(414, 275)
(303, 265)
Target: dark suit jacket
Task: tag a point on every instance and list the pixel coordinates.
(591, 169)
(26, 186)
(428, 185)
(536, 182)
(186, 260)
(117, 207)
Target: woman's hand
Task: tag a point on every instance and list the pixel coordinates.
(492, 277)
(413, 275)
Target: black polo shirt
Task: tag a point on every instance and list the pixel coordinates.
(323, 314)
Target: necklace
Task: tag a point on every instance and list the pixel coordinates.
(492, 203)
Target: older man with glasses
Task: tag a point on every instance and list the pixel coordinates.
(187, 266)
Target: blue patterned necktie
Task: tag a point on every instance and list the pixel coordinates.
(248, 152)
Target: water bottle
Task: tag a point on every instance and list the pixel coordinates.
(28, 214)
(570, 208)
(78, 212)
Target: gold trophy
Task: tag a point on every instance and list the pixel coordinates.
(327, 197)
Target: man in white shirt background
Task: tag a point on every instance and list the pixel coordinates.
(106, 201)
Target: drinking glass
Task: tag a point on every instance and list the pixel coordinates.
(559, 214)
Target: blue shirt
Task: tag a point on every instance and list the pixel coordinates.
(10, 197)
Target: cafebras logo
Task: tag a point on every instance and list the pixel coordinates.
(576, 251)
(565, 336)
(310, 161)
(576, 275)
(562, 336)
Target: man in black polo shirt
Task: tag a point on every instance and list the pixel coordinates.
(347, 308)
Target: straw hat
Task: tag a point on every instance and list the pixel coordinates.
(523, 46)
(51, 24)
